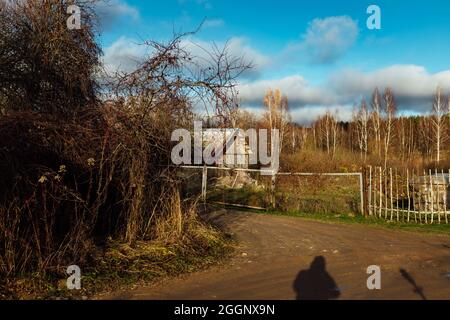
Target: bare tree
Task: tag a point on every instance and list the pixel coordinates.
(389, 110)
(304, 137)
(361, 117)
(328, 129)
(438, 122)
(278, 116)
(376, 119)
(335, 131)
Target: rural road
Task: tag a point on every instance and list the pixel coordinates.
(274, 249)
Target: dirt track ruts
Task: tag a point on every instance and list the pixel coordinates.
(273, 250)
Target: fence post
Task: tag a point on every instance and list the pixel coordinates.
(408, 194)
(438, 195)
(370, 192)
(381, 192)
(431, 196)
(272, 190)
(391, 193)
(361, 187)
(204, 183)
(445, 195)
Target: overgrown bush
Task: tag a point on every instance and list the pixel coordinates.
(78, 172)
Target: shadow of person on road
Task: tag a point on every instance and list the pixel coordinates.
(315, 283)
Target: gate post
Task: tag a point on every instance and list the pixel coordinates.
(204, 183)
(272, 189)
(361, 188)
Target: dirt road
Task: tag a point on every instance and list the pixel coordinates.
(273, 250)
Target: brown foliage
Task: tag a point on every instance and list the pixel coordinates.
(77, 172)
(44, 66)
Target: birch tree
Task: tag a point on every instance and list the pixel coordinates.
(440, 106)
(361, 118)
(390, 109)
(278, 116)
(376, 119)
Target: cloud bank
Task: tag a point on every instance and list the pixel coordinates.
(413, 86)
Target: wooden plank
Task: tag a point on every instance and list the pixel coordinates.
(361, 191)
(381, 191)
(445, 196)
(408, 195)
(426, 200)
(385, 196)
(391, 194)
(438, 196)
(204, 183)
(396, 194)
(370, 191)
(431, 195)
(414, 196)
(273, 190)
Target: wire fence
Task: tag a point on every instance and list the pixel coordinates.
(260, 189)
(389, 194)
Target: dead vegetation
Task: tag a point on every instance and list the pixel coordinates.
(88, 182)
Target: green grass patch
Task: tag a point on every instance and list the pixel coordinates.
(358, 219)
(331, 195)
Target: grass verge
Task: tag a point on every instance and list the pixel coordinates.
(358, 219)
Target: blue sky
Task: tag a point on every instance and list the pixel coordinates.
(319, 53)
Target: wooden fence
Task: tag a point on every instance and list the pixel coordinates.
(407, 195)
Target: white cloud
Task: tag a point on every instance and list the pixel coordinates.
(237, 47)
(123, 55)
(413, 88)
(325, 39)
(413, 85)
(408, 80)
(111, 11)
(295, 87)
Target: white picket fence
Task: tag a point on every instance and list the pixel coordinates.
(407, 195)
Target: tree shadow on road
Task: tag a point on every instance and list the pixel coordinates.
(411, 280)
(315, 283)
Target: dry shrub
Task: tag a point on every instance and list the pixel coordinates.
(318, 161)
(44, 66)
(77, 173)
(70, 186)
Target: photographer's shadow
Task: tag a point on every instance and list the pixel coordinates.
(315, 283)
